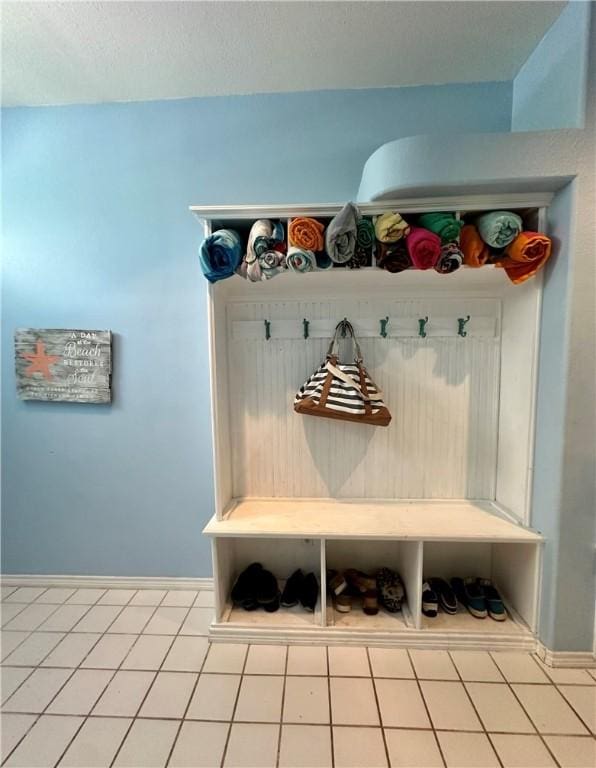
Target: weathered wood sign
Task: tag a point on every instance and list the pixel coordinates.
(66, 366)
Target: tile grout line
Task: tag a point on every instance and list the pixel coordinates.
(381, 724)
(526, 713)
(473, 705)
(135, 716)
(38, 715)
(283, 702)
(330, 709)
(115, 671)
(194, 688)
(225, 751)
(426, 709)
(85, 716)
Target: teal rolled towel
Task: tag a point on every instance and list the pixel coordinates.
(499, 228)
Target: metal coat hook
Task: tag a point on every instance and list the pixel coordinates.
(343, 327)
(422, 326)
(267, 329)
(384, 322)
(305, 325)
(461, 323)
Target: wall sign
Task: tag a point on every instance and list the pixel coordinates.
(66, 366)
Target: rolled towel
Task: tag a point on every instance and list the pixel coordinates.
(265, 251)
(323, 261)
(390, 227)
(473, 247)
(340, 237)
(451, 258)
(220, 254)
(365, 243)
(424, 248)
(300, 259)
(499, 228)
(393, 257)
(526, 255)
(307, 233)
(445, 225)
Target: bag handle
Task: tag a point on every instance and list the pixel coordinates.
(344, 325)
(345, 377)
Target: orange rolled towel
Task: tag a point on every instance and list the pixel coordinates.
(525, 256)
(473, 247)
(307, 233)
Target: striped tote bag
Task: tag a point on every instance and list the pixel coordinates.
(343, 391)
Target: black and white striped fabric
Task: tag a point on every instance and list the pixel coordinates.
(345, 394)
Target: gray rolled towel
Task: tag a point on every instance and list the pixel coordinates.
(340, 237)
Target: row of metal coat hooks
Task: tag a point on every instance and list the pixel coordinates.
(383, 322)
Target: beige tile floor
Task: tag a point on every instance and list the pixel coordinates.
(120, 677)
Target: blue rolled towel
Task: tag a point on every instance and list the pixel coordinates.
(220, 254)
(499, 228)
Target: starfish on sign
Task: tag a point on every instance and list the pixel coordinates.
(39, 361)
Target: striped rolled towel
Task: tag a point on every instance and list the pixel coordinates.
(525, 256)
(393, 257)
(300, 260)
(451, 258)
(220, 254)
(424, 248)
(340, 237)
(306, 233)
(499, 228)
(390, 227)
(445, 225)
(473, 247)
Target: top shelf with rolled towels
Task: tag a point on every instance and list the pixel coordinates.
(354, 238)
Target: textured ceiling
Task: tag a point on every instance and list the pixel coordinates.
(63, 53)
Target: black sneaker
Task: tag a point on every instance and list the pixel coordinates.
(244, 591)
(446, 595)
(430, 601)
(267, 591)
(291, 594)
(309, 592)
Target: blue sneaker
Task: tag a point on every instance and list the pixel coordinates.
(475, 598)
(494, 603)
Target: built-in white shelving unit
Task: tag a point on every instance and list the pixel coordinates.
(445, 490)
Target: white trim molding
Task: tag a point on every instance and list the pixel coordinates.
(107, 582)
(566, 658)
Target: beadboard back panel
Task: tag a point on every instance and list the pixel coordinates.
(442, 390)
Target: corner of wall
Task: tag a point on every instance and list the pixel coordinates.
(549, 91)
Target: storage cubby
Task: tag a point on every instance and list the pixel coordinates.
(282, 558)
(513, 568)
(368, 556)
(444, 490)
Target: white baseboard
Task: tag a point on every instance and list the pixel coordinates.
(106, 582)
(566, 658)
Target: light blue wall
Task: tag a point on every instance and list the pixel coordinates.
(549, 91)
(97, 235)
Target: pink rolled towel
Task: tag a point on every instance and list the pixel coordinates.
(424, 248)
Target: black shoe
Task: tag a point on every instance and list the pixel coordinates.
(309, 592)
(267, 591)
(244, 591)
(447, 599)
(291, 593)
(430, 601)
(459, 590)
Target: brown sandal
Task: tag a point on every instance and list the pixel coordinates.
(370, 602)
(359, 581)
